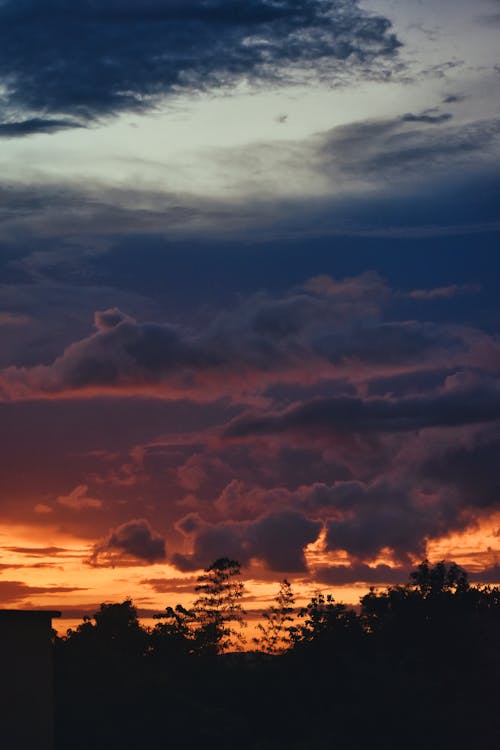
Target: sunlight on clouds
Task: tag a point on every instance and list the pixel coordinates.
(476, 548)
(198, 144)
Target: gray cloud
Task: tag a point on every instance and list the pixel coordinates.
(397, 148)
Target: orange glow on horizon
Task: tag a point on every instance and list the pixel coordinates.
(45, 568)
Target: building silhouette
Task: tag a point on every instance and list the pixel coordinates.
(27, 679)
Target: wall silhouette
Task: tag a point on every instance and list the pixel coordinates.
(27, 680)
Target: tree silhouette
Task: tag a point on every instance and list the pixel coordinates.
(175, 637)
(277, 629)
(116, 635)
(427, 650)
(439, 579)
(326, 624)
(438, 595)
(218, 608)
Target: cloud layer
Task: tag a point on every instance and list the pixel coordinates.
(326, 330)
(336, 428)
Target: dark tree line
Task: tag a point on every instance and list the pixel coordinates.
(416, 665)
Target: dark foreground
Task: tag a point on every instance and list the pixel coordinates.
(417, 667)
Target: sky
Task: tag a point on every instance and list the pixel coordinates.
(249, 284)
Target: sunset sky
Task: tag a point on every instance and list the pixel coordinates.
(249, 295)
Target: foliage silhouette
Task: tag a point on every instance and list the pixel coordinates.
(415, 665)
(218, 607)
(277, 629)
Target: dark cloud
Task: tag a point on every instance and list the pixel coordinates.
(38, 551)
(344, 575)
(171, 585)
(346, 414)
(386, 575)
(470, 468)
(265, 335)
(391, 343)
(22, 128)
(277, 539)
(391, 514)
(100, 57)
(280, 538)
(453, 99)
(384, 517)
(16, 591)
(376, 429)
(133, 542)
(428, 118)
(331, 328)
(489, 575)
(409, 383)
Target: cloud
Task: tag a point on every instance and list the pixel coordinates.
(278, 197)
(398, 149)
(427, 118)
(13, 319)
(38, 551)
(376, 415)
(327, 329)
(43, 509)
(131, 543)
(16, 591)
(469, 466)
(382, 517)
(78, 499)
(277, 539)
(453, 99)
(100, 58)
(489, 575)
(23, 128)
(171, 585)
(344, 418)
(345, 575)
(263, 337)
(443, 292)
